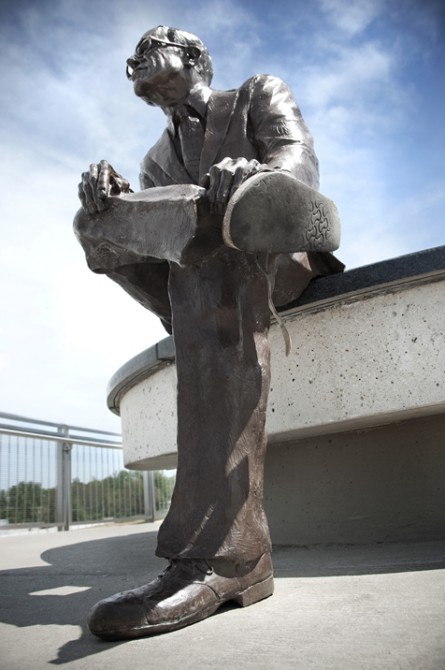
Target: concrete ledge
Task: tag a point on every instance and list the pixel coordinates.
(364, 360)
(138, 368)
(428, 265)
(368, 349)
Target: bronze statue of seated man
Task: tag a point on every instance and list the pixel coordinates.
(209, 245)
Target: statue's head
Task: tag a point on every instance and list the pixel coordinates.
(167, 64)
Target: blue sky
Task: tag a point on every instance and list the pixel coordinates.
(368, 75)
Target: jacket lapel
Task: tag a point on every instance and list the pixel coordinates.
(219, 113)
(165, 158)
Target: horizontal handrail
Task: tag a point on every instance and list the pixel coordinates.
(60, 438)
(58, 486)
(24, 419)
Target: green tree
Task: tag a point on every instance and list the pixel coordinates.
(29, 502)
(117, 496)
(3, 504)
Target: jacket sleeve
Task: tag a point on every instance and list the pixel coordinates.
(278, 130)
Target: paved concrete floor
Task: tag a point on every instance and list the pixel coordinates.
(350, 608)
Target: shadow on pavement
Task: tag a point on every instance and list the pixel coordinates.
(101, 567)
(105, 566)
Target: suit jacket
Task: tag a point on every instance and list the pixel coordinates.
(258, 121)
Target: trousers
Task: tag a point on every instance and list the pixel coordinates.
(221, 320)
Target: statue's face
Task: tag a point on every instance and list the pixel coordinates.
(162, 72)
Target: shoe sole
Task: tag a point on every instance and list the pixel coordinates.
(255, 593)
(272, 212)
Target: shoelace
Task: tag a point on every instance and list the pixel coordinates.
(200, 564)
(284, 331)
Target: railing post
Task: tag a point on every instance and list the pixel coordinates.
(63, 506)
(149, 496)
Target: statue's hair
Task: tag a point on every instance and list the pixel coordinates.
(204, 65)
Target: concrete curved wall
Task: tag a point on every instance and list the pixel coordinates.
(368, 349)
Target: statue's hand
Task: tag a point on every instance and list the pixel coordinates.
(98, 185)
(223, 179)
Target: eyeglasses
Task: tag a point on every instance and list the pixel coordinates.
(148, 43)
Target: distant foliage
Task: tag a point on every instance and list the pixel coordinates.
(117, 497)
(27, 502)
(120, 496)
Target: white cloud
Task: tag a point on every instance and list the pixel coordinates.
(351, 74)
(352, 16)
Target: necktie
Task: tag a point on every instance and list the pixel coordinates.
(191, 137)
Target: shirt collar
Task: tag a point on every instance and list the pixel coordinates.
(198, 99)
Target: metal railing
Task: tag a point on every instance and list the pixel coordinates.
(58, 475)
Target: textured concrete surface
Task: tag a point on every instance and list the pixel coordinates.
(383, 484)
(367, 360)
(335, 607)
(358, 360)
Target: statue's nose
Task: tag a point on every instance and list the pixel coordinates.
(132, 64)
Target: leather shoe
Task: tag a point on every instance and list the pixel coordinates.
(187, 591)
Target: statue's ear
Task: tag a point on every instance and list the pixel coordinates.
(192, 55)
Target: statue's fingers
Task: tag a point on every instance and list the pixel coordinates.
(94, 172)
(119, 185)
(240, 175)
(103, 179)
(213, 182)
(253, 165)
(216, 176)
(105, 164)
(226, 162)
(223, 190)
(205, 180)
(243, 172)
(88, 193)
(81, 195)
(92, 179)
